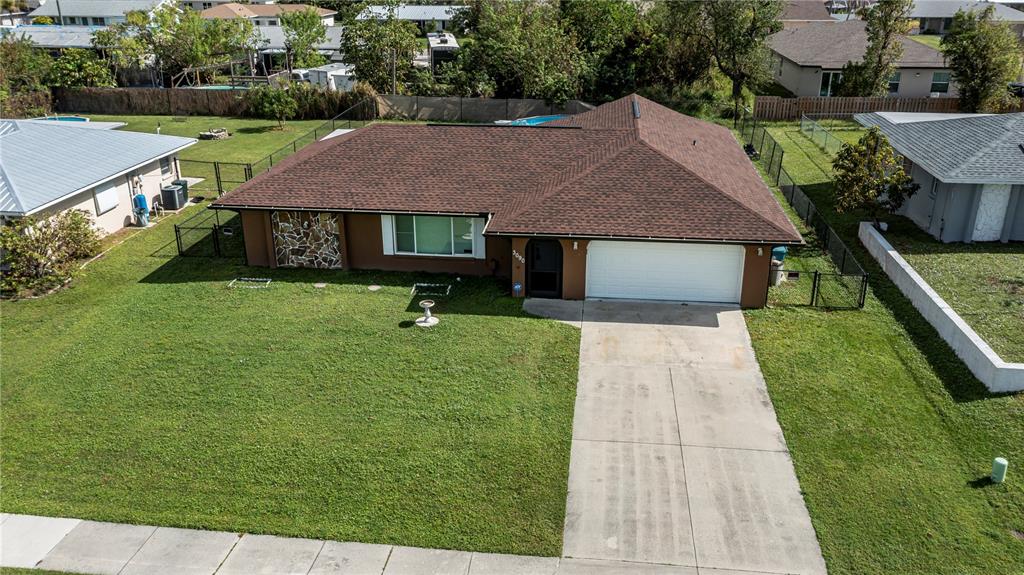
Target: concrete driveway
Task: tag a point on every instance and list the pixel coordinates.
(677, 457)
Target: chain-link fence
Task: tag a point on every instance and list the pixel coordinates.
(820, 135)
(845, 286)
(211, 234)
(216, 178)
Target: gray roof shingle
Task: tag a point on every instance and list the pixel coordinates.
(42, 162)
(977, 149)
(949, 8)
(833, 44)
(98, 8)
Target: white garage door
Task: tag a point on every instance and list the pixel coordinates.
(667, 271)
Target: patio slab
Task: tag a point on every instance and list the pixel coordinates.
(497, 564)
(95, 547)
(351, 559)
(615, 403)
(417, 561)
(270, 555)
(172, 551)
(748, 512)
(627, 501)
(26, 539)
(725, 407)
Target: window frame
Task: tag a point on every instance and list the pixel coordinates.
(897, 79)
(949, 78)
(99, 21)
(832, 75)
(451, 228)
(106, 189)
(166, 166)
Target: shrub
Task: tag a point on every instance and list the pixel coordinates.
(314, 102)
(41, 254)
(271, 103)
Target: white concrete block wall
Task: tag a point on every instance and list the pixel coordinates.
(984, 363)
(121, 216)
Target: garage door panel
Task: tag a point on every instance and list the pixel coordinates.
(665, 271)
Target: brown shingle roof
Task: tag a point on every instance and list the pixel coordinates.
(805, 10)
(605, 173)
(236, 10)
(831, 45)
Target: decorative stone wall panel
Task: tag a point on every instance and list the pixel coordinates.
(306, 239)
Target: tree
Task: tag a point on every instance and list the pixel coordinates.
(736, 33)
(611, 39)
(183, 42)
(271, 103)
(381, 50)
(984, 57)
(303, 32)
(23, 69)
(521, 50)
(121, 52)
(869, 175)
(686, 50)
(79, 67)
(885, 23)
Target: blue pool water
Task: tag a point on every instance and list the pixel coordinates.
(536, 120)
(64, 119)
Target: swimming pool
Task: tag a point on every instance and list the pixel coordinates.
(536, 120)
(63, 118)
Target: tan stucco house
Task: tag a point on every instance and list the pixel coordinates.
(629, 200)
(49, 166)
(808, 61)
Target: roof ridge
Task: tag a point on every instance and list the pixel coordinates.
(559, 180)
(715, 187)
(6, 184)
(987, 148)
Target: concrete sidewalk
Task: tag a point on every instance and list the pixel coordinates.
(79, 546)
(677, 457)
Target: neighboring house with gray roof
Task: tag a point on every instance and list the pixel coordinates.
(94, 12)
(808, 61)
(936, 16)
(48, 166)
(428, 17)
(970, 168)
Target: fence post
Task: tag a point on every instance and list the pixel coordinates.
(814, 288)
(863, 290)
(216, 171)
(248, 172)
(216, 240)
(177, 239)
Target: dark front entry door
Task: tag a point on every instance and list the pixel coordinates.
(544, 269)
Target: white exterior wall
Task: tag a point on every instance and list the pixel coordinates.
(806, 80)
(121, 216)
(984, 363)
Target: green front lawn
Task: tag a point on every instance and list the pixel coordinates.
(933, 41)
(891, 436)
(250, 141)
(984, 282)
(151, 392)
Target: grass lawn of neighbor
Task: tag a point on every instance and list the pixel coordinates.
(251, 139)
(984, 282)
(891, 436)
(933, 41)
(151, 392)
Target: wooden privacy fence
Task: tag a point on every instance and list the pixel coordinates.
(776, 108)
(459, 109)
(148, 101)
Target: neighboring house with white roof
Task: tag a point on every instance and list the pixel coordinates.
(199, 5)
(49, 166)
(970, 168)
(263, 14)
(936, 16)
(808, 61)
(94, 12)
(428, 17)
